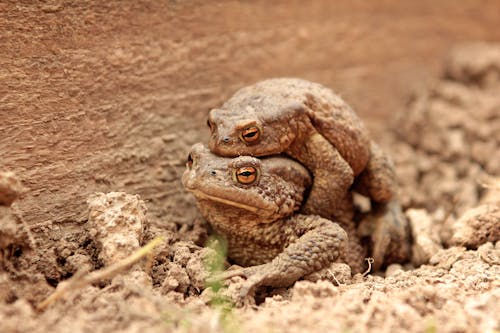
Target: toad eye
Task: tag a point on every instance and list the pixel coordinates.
(246, 175)
(251, 134)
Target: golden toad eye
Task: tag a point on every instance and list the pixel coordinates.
(246, 175)
(250, 134)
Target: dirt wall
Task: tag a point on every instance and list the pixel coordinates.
(106, 96)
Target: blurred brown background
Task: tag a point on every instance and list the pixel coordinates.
(109, 95)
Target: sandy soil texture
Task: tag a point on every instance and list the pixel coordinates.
(446, 147)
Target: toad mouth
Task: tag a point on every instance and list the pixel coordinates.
(211, 197)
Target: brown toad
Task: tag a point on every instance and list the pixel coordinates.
(252, 202)
(313, 125)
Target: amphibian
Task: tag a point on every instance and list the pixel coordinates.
(310, 123)
(314, 126)
(252, 203)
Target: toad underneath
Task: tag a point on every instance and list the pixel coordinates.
(314, 126)
(252, 202)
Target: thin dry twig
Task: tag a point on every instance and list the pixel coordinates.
(80, 279)
(370, 262)
(333, 276)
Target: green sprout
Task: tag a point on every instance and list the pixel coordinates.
(219, 301)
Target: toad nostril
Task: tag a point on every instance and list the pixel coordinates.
(226, 139)
(213, 173)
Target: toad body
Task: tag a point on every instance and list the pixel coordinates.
(313, 125)
(251, 202)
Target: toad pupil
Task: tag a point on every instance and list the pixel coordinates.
(246, 175)
(250, 134)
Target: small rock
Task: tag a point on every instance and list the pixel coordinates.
(197, 268)
(489, 254)
(183, 252)
(79, 262)
(10, 188)
(447, 257)
(118, 220)
(176, 280)
(426, 241)
(477, 63)
(477, 226)
(393, 269)
(139, 278)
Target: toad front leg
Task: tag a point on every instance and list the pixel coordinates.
(332, 177)
(311, 243)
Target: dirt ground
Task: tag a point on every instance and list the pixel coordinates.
(446, 147)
